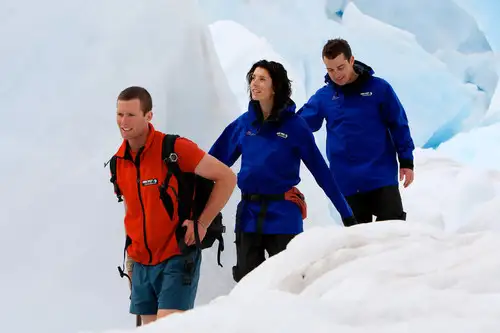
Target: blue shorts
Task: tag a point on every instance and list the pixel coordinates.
(165, 286)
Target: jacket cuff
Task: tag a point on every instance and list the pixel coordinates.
(405, 163)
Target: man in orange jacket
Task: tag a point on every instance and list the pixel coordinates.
(158, 271)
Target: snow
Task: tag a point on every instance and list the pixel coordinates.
(383, 277)
(62, 232)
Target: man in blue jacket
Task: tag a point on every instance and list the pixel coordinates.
(367, 135)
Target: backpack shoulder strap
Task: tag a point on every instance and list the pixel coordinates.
(170, 157)
(112, 169)
(168, 153)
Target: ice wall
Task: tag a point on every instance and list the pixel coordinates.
(443, 93)
(442, 28)
(485, 12)
(63, 63)
(435, 24)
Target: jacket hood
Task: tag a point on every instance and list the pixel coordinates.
(288, 109)
(363, 70)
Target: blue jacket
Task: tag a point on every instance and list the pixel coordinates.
(367, 131)
(271, 152)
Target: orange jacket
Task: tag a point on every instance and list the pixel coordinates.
(147, 223)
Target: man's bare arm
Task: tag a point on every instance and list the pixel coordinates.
(225, 182)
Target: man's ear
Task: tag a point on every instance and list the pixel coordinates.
(149, 115)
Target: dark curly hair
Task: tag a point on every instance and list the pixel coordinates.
(282, 85)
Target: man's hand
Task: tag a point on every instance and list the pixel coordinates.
(189, 237)
(407, 175)
(129, 266)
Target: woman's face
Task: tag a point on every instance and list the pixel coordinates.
(261, 85)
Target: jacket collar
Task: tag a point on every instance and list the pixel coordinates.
(364, 71)
(256, 115)
(124, 150)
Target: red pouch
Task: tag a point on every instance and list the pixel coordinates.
(298, 198)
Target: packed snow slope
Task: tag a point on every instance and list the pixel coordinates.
(64, 63)
(436, 272)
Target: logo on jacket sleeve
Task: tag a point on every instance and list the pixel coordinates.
(283, 135)
(368, 93)
(149, 182)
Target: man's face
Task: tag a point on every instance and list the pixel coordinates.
(131, 120)
(340, 69)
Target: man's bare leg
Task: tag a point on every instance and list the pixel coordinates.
(161, 314)
(146, 319)
(166, 312)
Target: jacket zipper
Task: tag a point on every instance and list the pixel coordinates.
(137, 166)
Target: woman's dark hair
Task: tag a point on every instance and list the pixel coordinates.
(282, 85)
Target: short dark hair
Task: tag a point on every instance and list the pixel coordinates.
(282, 85)
(334, 47)
(140, 93)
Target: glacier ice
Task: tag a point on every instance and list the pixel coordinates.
(439, 27)
(485, 12)
(436, 24)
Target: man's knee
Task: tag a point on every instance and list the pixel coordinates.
(167, 312)
(146, 319)
(388, 204)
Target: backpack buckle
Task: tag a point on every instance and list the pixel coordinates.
(173, 158)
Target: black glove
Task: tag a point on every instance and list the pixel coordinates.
(349, 221)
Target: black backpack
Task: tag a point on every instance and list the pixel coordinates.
(193, 193)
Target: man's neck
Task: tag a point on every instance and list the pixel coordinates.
(353, 78)
(136, 143)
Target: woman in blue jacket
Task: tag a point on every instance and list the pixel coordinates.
(271, 140)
